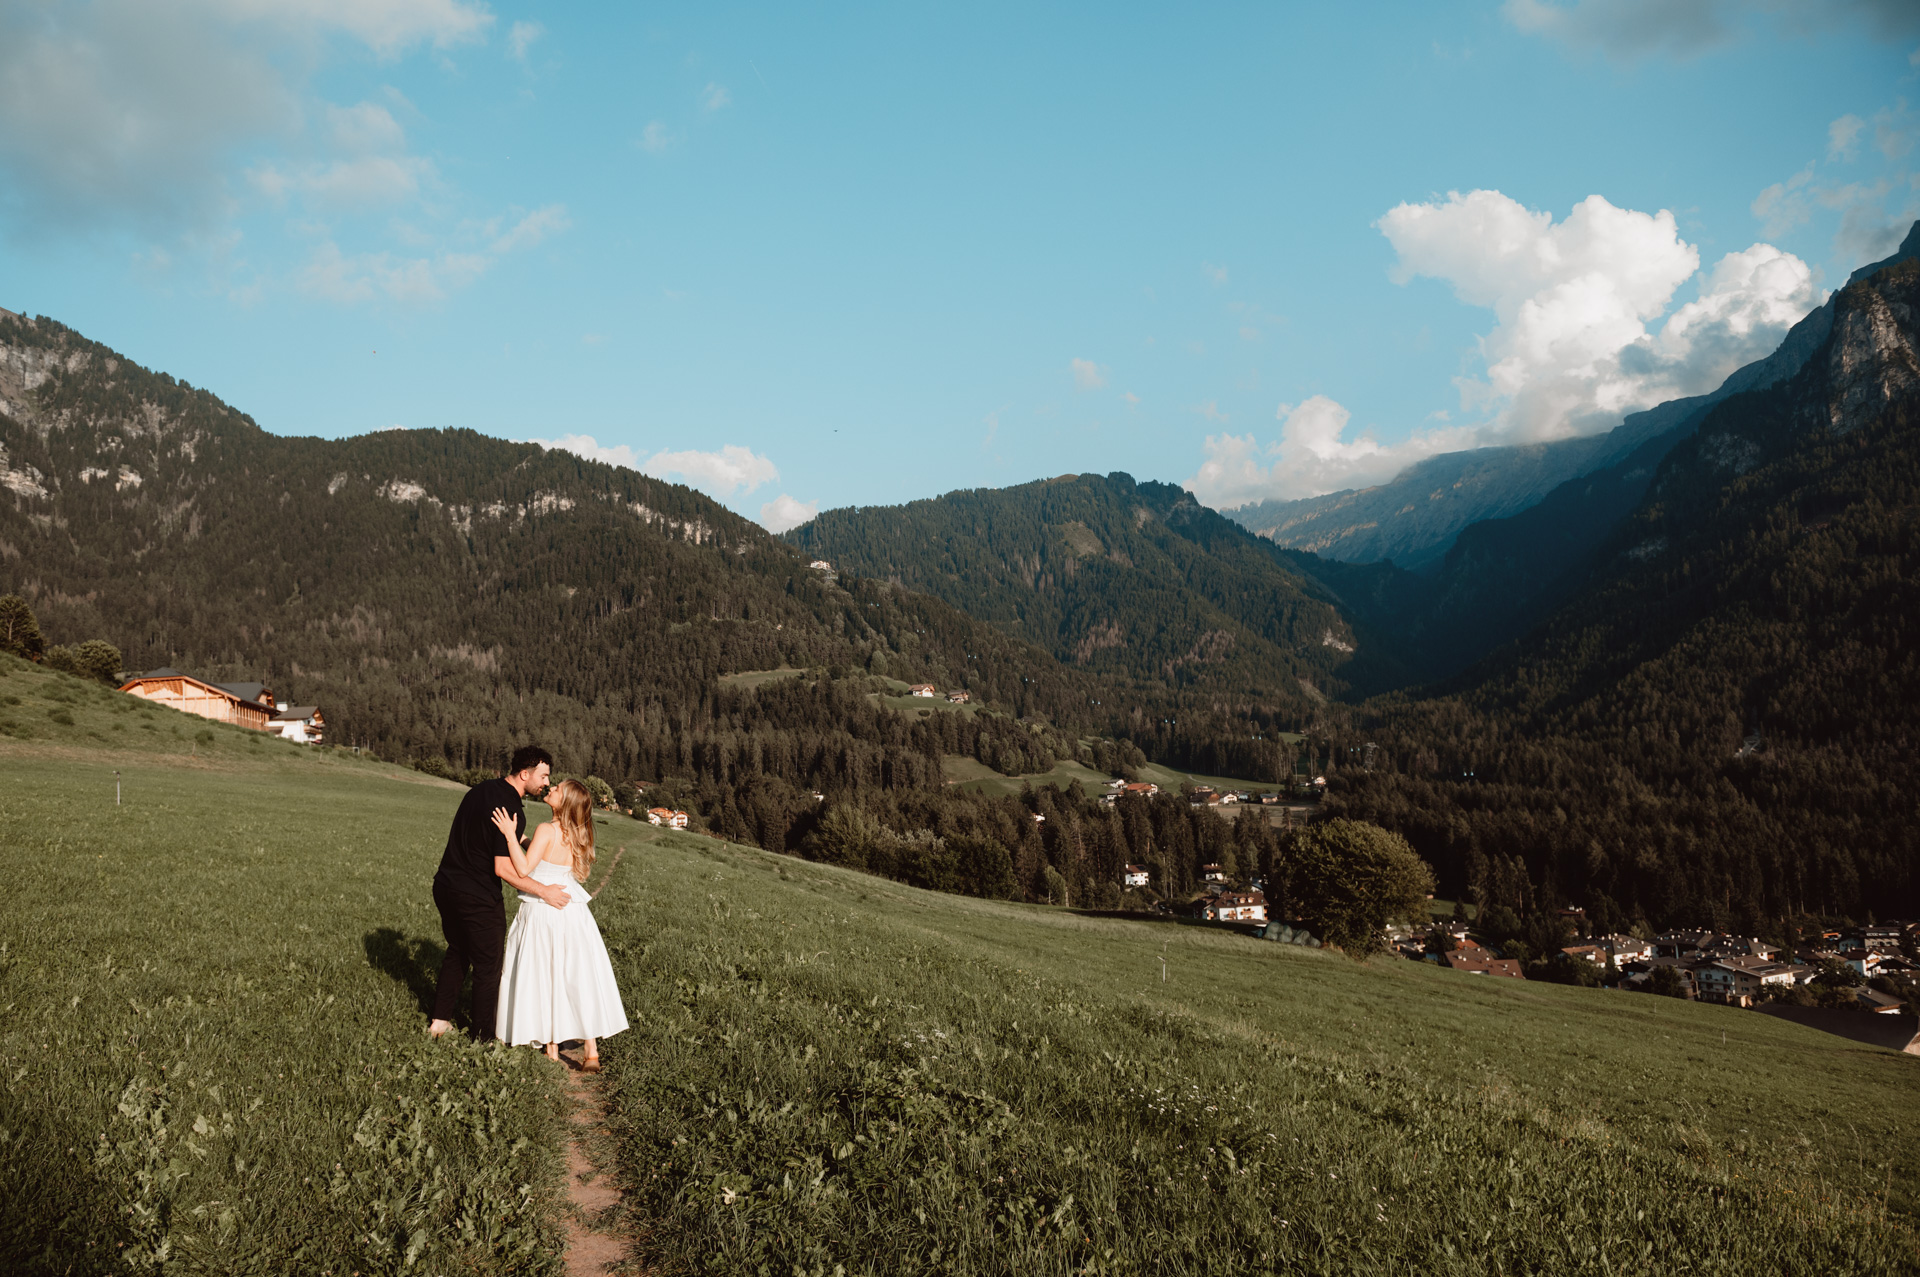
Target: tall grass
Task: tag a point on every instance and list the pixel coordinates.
(831, 1074)
(212, 1056)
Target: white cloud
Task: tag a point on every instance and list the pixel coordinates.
(733, 469)
(363, 182)
(1087, 375)
(655, 138)
(592, 449)
(1578, 341)
(1130, 397)
(335, 275)
(521, 37)
(1218, 274)
(1843, 137)
(1311, 456)
(1626, 30)
(783, 513)
(1870, 213)
(131, 112)
(1572, 350)
(388, 27)
(715, 96)
(531, 229)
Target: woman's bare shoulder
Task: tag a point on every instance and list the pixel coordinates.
(542, 838)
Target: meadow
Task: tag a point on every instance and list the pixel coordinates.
(212, 1056)
(212, 1060)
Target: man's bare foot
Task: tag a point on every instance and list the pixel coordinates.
(438, 1027)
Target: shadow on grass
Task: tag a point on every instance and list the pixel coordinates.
(413, 962)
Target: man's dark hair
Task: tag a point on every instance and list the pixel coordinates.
(528, 756)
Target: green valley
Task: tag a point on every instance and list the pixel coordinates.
(213, 1061)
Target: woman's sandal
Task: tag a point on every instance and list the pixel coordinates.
(590, 1065)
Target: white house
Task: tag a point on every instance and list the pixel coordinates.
(1137, 875)
(1237, 906)
(1738, 981)
(667, 817)
(1625, 949)
(921, 689)
(301, 724)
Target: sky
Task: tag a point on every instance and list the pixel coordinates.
(859, 257)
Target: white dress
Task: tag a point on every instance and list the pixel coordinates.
(557, 983)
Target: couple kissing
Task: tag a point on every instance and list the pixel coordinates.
(548, 980)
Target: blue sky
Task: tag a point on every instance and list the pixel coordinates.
(813, 260)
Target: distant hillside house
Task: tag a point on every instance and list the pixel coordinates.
(1591, 952)
(1738, 981)
(921, 689)
(1881, 939)
(301, 724)
(1237, 906)
(242, 704)
(1142, 788)
(958, 698)
(1477, 961)
(1625, 949)
(667, 817)
(1137, 875)
(821, 565)
(1212, 873)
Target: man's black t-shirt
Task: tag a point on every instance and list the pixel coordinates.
(467, 866)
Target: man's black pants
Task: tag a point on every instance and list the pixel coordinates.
(476, 931)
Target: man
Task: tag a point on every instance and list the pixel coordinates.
(467, 890)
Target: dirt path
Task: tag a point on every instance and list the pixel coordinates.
(595, 1245)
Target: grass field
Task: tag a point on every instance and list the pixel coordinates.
(212, 1056)
(749, 679)
(969, 773)
(211, 1061)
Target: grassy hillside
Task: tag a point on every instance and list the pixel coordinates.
(211, 1058)
(212, 1055)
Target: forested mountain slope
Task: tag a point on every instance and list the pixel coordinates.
(1718, 723)
(443, 595)
(1133, 581)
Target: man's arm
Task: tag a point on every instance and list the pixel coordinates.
(552, 893)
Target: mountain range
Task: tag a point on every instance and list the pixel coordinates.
(1676, 687)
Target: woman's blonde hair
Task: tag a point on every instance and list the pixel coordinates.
(574, 818)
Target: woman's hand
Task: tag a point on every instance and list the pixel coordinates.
(504, 822)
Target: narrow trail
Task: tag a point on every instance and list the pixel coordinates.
(596, 1245)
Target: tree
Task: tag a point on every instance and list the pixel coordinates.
(1667, 982)
(846, 835)
(600, 791)
(19, 631)
(1350, 878)
(99, 659)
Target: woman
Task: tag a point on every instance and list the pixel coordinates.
(557, 984)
